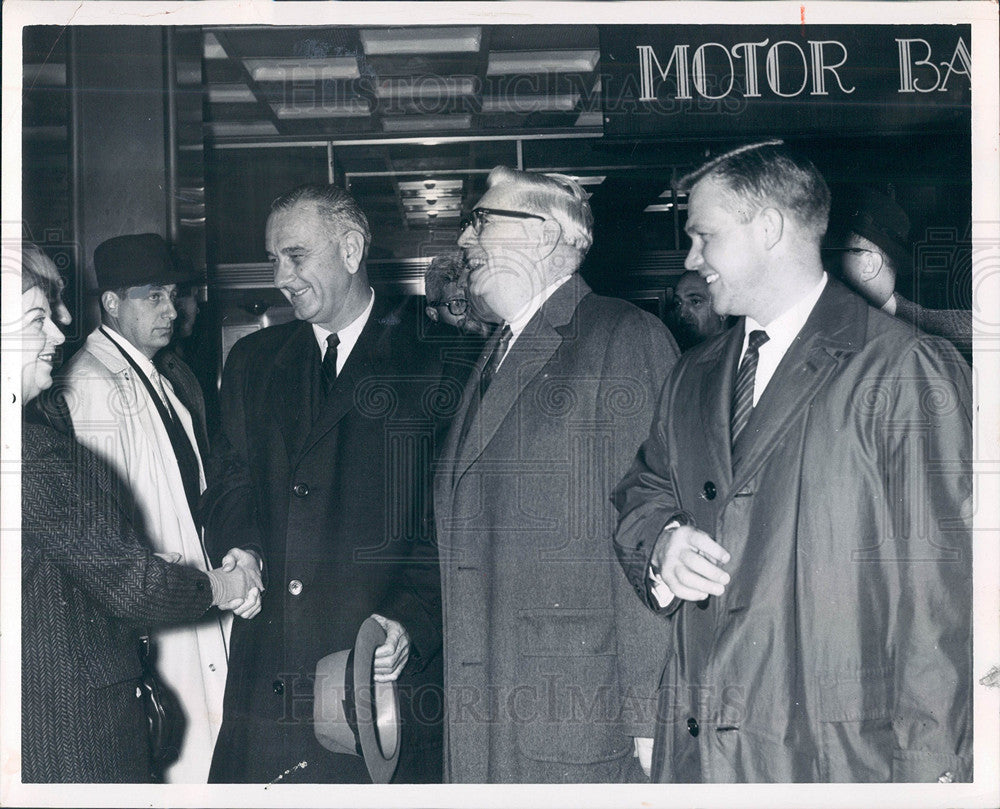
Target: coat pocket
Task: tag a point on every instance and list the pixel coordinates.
(571, 706)
(855, 727)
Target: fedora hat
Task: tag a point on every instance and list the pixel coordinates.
(136, 260)
(883, 222)
(354, 715)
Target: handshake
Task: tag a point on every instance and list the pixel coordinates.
(237, 585)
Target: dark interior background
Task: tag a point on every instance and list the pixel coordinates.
(191, 132)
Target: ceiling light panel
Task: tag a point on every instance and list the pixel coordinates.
(441, 186)
(231, 94)
(505, 63)
(284, 69)
(351, 108)
(590, 118)
(426, 87)
(426, 123)
(531, 103)
(212, 48)
(234, 129)
(386, 41)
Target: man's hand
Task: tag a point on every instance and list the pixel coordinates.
(690, 563)
(643, 750)
(246, 602)
(391, 656)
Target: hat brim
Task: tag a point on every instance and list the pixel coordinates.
(354, 715)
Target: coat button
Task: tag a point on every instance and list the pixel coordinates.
(693, 726)
(294, 587)
(709, 491)
(278, 687)
(300, 490)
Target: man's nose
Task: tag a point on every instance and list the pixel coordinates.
(282, 274)
(171, 311)
(467, 236)
(693, 259)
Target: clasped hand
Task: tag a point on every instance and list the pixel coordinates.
(690, 563)
(237, 584)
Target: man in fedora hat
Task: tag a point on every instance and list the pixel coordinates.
(877, 249)
(126, 412)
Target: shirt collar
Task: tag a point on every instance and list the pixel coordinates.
(786, 326)
(518, 323)
(349, 334)
(141, 359)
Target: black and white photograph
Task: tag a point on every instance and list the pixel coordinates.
(506, 403)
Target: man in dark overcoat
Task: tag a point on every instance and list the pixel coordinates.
(801, 512)
(549, 668)
(322, 469)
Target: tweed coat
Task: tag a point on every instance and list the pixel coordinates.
(841, 648)
(336, 503)
(550, 665)
(89, 585)
(113, 415)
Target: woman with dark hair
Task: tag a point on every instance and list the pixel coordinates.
(89, 584)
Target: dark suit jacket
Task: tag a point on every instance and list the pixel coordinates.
(551, 664)
(337, 506)
(841, 648)
(188, 390)
(89, 585)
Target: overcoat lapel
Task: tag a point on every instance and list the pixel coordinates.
(716, 367)
(531, 351)
(360, 365)
(289, 389)
(835, 329)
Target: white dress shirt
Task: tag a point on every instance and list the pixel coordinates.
(348, 335)
(521, 320)
(780, 332)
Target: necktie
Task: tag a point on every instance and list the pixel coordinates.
(329, 367)
(493, 363)
(157, 381)
(743, 389)
(184, 452)
(489, 371)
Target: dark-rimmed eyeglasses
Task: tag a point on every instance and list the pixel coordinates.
(456, 306)
(479, 216)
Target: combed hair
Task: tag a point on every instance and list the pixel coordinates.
(448, 268)
(555, 196)
(38, 270)
(334, 204)
(769, 174)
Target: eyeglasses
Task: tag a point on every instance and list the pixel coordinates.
(456, 306)
(478, 217)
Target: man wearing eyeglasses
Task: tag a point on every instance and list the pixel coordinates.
(550, 669)
(445, 289)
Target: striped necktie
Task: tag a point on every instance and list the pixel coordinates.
(743, 389)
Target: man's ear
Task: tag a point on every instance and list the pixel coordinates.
(431, 312)
(109, 302)
(871, 266)
(551, 233)
(772, 223)
(352, 249)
